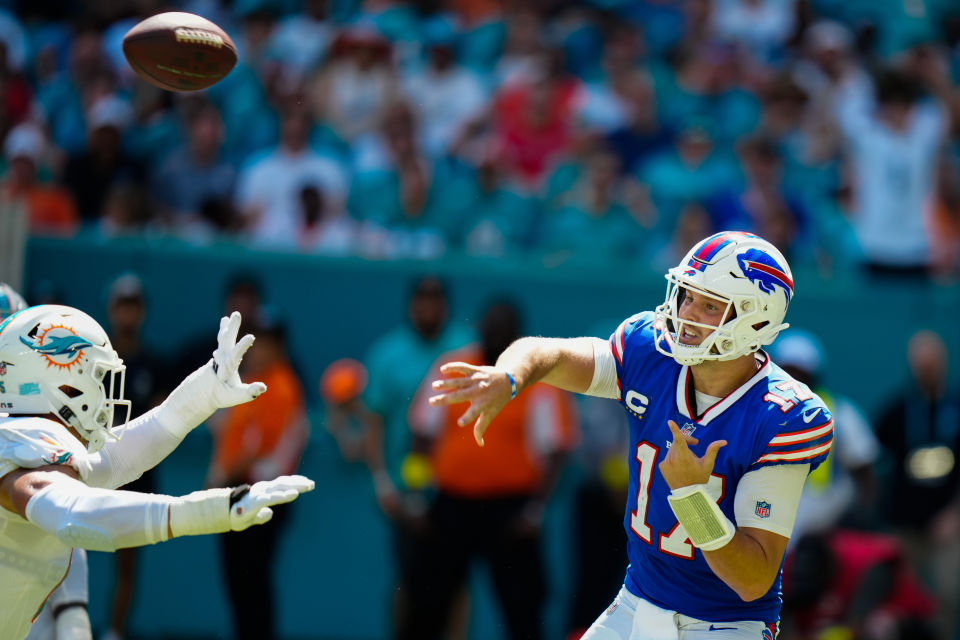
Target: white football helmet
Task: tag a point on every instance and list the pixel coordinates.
(56, 359)
(10, 301)
(745, 273)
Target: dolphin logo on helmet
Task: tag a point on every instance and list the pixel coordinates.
(59, 345)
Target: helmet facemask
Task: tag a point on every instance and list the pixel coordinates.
(93, 402)
(744, 331)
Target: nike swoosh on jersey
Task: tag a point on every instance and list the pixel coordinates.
(713, 628)
(808, 416)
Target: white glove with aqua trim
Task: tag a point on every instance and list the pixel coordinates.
(215, 385)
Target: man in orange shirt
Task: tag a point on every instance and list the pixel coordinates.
(50, 208)
(490, 501)
(250, 444)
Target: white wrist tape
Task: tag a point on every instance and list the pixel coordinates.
(701, 517)
(98, 519)
(201, 512)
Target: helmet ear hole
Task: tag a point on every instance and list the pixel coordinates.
(70, 392)
(760, 325)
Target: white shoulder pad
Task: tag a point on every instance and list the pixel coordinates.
(36, 442)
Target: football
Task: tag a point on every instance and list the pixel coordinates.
(179, 51)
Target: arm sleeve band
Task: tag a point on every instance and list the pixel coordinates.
(99, 519)
(604, 382)
(779, 487)
(701, 517)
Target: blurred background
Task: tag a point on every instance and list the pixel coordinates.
(377, 183)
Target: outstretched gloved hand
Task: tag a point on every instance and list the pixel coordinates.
(213, 386)
(253, 507)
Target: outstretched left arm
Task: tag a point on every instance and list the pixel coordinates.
(153, 436)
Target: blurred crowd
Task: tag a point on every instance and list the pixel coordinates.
(592, 130)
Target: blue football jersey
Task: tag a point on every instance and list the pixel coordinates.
(771, 420)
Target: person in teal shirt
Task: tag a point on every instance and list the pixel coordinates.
(396, 365)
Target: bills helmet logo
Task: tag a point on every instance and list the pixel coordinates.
(766, 272)
(763, 509)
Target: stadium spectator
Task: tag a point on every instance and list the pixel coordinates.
(103, 163)
(445, 97)
(301, 40)
(764, 204)
(762, 27)
(593, 220)
(499, 219)
(920, 431)
(147, 383)
(252, 442)
(49, 208)
(893, 143)
(490, 502)
(324, 229)
(354, 88)
(195, 178)
(535, 119)
(16, 95)
(126, 211)
(417, 200)
(643, 135)
(269, 189)
(694, 170)
(397, 363)
(842, 491)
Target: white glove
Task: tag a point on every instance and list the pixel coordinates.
(254, 507)
(213, 386)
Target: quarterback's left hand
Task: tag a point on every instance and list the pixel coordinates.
(226, 365)
(682, 467)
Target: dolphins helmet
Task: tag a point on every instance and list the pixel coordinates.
(10, 301)
(57, 359)
(744, 273)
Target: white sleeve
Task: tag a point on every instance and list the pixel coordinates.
(145, 442)
(604, 382)
(767, 498)
(98, 519)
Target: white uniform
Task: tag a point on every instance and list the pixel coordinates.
(32, 561)
(72, 592)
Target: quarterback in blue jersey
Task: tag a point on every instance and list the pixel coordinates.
(721, 440)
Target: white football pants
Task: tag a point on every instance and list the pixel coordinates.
(633, 618)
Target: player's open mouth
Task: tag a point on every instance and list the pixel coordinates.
(688, 337)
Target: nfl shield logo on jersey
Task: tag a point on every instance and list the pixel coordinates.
(763, 509)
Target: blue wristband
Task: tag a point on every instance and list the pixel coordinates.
(513, 385)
